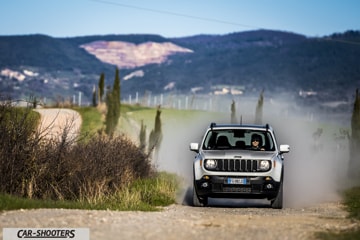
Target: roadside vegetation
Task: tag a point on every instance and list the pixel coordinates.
(99, 173)
(146, 194)
(92, 121)
(351, 199)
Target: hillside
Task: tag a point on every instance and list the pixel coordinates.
(245, 61)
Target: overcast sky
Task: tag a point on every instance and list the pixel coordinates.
(176, 18)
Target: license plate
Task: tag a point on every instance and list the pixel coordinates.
(241, 181)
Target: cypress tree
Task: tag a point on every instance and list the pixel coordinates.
(101, 87)
(109, 118)
(94, 103)
(116, 92)
(259, 109)
(155, 137)
(113, 106)
(354, 163)
(142, 136)
(233, 112)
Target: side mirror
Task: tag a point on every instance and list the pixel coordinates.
(194, 147)
(284, 148)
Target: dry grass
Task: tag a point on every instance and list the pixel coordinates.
(60, 169)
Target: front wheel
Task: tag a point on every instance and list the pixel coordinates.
(277, 203)
(199, 202)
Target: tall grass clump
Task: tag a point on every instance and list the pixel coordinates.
(158, 191)
(146, 194)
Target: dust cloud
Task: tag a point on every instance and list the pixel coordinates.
(315, 168)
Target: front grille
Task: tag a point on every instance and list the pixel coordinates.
(236, 165)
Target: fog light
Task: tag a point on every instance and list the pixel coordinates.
(269, 186)
(204, 184)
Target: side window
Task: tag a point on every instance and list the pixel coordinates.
(210, 140)
(270, 146)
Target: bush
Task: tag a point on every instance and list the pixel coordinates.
(352, 202)
(102, 166)
(18, 147)
(34, 166)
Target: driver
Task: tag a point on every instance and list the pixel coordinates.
(256, 143)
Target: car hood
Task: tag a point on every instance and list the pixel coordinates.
(238, 154)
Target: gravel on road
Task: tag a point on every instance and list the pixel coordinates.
(186, 222)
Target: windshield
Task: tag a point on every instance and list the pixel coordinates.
(239, 139)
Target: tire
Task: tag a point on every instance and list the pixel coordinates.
(198, 202)
(277, 203)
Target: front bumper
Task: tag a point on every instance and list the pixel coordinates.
(251, 187)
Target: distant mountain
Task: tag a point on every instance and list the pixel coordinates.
(46, 52)
(243, 62)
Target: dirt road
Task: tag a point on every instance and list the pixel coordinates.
(237, 221)
(56, 121)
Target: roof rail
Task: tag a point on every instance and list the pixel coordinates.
(212, 125)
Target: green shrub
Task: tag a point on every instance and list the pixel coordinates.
(352, 202)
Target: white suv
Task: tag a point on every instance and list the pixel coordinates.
(230, 164)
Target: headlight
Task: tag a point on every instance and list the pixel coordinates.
(264, 165)
(210, 164)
